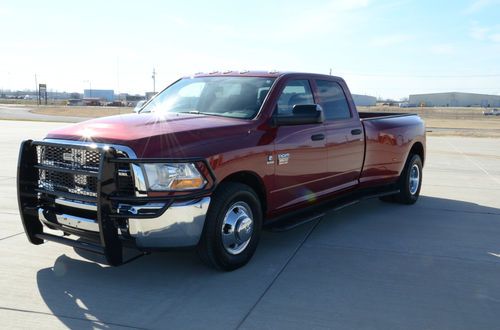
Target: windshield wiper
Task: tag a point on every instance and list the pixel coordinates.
(196, 112)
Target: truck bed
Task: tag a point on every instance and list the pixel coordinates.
(382, 115)
(388, 139)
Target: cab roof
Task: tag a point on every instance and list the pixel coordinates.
(241, 73)
(259, 74)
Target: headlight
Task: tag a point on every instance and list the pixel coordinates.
(173, 177)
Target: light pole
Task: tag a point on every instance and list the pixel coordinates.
(36, 91)
(90, 88)
(154, 81)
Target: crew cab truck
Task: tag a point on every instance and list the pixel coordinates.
(209, 161)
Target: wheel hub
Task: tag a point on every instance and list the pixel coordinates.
(414, 179)
(237, 228)
(244, 229)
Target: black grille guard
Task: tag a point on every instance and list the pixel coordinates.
(109, 242)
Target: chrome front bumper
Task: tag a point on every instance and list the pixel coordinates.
(180, 225)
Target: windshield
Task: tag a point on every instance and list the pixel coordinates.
(237, 97)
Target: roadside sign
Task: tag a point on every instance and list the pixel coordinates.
(42, 93)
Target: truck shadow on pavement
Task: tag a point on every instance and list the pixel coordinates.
(174, 289)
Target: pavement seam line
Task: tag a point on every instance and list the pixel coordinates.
(474, 162)
(354, 248)
(7, 212)
(279, 273)
(454, 187)
(4, 238)
(460, 211)
(68, 317)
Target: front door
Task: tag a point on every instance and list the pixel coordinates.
(300, 155)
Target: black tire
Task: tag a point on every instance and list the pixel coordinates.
(211, 248)
(407, 193)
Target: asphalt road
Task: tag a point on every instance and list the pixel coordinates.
(19, 112)
(433, 265)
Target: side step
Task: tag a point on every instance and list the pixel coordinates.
(312, 213)
(291, 223)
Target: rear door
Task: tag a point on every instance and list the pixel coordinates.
(301, 158)
(344, 135)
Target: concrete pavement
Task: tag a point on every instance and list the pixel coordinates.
(433, 265)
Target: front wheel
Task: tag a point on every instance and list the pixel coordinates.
(409, 182)
(232, 227)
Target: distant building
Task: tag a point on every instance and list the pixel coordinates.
(364, 100)
(101, 94)
(454, 99)
(149, 95)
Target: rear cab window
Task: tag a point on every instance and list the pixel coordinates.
(333, 100)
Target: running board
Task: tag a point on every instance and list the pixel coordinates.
(312, 213)
(292, 223)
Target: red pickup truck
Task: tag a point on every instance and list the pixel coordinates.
(211, 160)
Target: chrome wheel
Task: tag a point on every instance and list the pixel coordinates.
(414, 179)
(237, 228)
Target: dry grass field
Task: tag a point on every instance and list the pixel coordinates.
(81, 111)
(439, 121)
(450, 121)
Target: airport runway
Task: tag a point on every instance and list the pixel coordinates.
(433, 265)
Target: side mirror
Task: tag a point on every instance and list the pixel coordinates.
(302, 114)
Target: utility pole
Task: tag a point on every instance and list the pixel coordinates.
(90, 87)
(118, 75)
(36, 90)
(154, 81)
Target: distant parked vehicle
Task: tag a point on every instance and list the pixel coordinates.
(92, 102)
(74, 102)
(494, 112)
(115, 104)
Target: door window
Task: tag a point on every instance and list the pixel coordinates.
(333, 100)
(295, 92)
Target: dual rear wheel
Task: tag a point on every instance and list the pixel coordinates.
(409, 182)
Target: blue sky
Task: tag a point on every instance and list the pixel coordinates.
(382, 48)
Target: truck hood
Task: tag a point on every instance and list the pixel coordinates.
(149, 133)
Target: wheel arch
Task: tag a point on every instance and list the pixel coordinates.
(417, 149)
(254, 181)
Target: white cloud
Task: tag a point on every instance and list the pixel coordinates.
(442, 49)
(479, 5)
(495, 37)
(349, 4)
(391, 40)
(322, 19)
(479, 32)
(485, 33)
